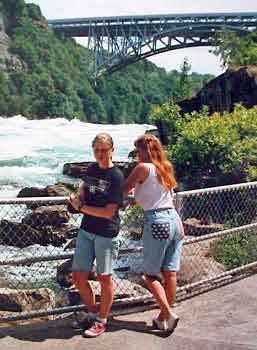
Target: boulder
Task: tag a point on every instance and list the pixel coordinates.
(195, 268)
(60, 189)
(26, 300)
(122, 289)
(32, 192)
(131, 285)
(22, 235)
(195, 227)
(55, 215)
(197, 263)
(64, 274)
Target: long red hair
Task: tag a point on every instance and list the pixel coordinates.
(152, 147)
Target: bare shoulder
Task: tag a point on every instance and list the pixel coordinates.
(141, 171)
(141, 167)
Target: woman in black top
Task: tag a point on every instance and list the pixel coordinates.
(102, 197)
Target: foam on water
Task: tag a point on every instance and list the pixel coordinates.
(32, 152)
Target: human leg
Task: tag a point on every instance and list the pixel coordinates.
(161, 254)
(159, 294)
(105, 249)
(82, 265)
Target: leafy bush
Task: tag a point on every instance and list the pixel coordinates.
(237, 250)
(216, 150)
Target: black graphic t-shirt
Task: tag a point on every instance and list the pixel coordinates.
(102, 187)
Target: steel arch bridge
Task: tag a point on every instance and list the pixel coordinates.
(120, 41)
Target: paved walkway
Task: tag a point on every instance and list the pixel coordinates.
(225, 319)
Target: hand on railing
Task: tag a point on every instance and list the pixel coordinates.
(130, 199)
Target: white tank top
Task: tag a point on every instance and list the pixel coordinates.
(151, 194)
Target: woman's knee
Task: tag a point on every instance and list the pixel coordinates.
(105, 280)
(169, 275)
(152, 278)
(79, 278)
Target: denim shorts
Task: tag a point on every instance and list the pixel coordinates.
(90, 247)
(162, 241)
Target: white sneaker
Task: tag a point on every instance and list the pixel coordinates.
(166, 325)
(161, 325)
(172, 322)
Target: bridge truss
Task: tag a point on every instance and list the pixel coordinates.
(120, 41)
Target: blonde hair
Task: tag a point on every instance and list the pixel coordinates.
(103, 137)
(151, 145)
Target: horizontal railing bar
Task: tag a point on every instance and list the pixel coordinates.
(125, 301)
(224, 274)
(220, 233)
(63, 200)
(218, 189)
(35, 259)
(126, 251)
(26, 200)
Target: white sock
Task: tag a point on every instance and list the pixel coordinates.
(102, 320)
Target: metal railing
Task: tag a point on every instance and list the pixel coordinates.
(37, 243)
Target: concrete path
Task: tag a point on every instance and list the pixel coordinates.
(223, 319)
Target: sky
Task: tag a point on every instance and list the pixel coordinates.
(202, 61)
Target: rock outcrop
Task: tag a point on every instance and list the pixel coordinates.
(26, 300)
(22, 235)
(8, 61)
(195, 227)
(238, 85)
(53, 215)
(59, 189)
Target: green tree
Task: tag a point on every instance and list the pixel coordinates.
(56, 77)
(235, 50)
(184, 88)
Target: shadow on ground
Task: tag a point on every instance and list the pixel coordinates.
(61, 329)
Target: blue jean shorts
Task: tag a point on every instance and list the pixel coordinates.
(162, 241)
(91, 247)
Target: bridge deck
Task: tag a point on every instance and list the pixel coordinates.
(82, 26)
(156, 17)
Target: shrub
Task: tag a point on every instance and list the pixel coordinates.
(134, 221)
(237, 250)
(216, 150)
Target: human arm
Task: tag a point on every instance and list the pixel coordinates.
(111, 203)
(138, 175)
(106, 212)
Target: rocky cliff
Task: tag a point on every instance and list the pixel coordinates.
(238, 85)
(4, 42)
(7, 61)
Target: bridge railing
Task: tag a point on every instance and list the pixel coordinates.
(37, 244)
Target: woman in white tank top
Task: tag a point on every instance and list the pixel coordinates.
(153, 180)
